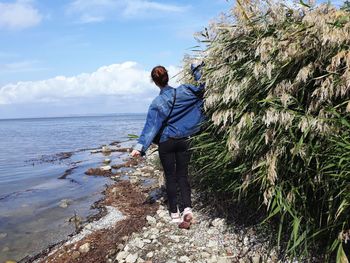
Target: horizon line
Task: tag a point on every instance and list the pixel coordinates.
(73, 116)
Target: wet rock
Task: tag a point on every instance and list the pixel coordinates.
(107, 161)
(106, 168)
(65, 203)
(3, 235)
(84, 248)
(106, 149)
(131, 258)
(98, 172)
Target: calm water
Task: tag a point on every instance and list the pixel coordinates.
(30, 191)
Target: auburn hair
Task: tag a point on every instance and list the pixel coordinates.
(160, 76)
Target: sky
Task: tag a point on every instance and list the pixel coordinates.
(87, 57)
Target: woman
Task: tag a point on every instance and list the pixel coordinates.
(173, 116)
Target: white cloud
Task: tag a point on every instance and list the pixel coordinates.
(123, 81)
(99, 10)
(19, 15)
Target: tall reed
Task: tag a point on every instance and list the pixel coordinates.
(277, 98)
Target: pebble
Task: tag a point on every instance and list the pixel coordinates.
(212, 243)
(64, 203)
(207, 240)
(3, 235)
(151, 220)
(131, 258)
(176, 239)
(139, 243)
(75, 254)
(121, 255)
(107, 161)
(184, 259)
(256, 259)
(106, 168)
(84, 248)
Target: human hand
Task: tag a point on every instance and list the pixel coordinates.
(196, 71)
(135, 153)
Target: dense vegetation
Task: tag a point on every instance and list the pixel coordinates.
(277, 98)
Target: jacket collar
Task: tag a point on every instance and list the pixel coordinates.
(162, 90)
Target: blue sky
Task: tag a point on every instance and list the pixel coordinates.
(92, 56)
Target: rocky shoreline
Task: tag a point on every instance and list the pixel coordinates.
(134, 226)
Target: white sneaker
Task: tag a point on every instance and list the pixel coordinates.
(176, 218)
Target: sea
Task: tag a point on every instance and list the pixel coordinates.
(42, 166)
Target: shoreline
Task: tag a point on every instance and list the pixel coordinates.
(112, 208)
(132, 226)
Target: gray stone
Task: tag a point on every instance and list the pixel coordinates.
(212, 243)
(121, 256)
(107, 161)
(139, 243)
(150, 254)
(131, 258)
(84, 248)
(3, 235)
(218, 222)
(151, 220)
(106, 168)
(246, 241)
(184, 259)
(64, 203)
(176, 239)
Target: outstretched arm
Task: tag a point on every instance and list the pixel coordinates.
(155, 118)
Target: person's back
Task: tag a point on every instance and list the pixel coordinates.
(187, 114)
(174, 115)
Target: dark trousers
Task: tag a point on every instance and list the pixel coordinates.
(175, 156)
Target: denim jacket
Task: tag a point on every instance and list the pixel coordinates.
(185, 120)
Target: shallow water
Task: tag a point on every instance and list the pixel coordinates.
(30, 191)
